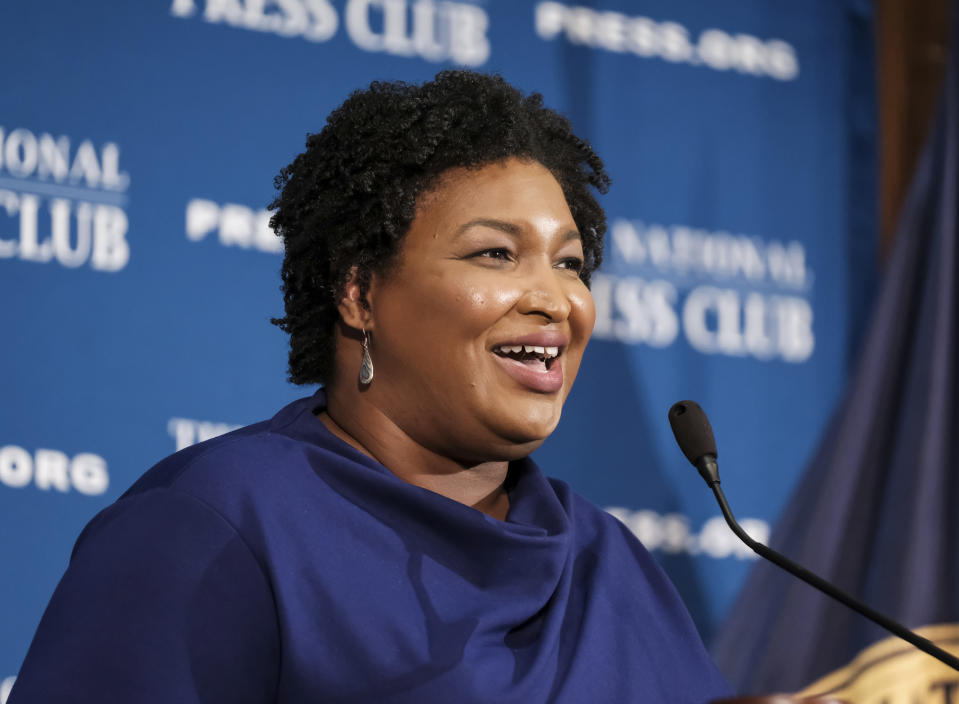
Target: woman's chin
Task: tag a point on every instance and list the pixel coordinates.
(507, 450)
(527, 432)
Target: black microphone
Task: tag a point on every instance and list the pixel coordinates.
(695, 438)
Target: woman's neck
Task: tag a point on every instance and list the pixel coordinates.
(366, 428)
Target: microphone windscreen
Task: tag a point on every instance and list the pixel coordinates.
(692, 430)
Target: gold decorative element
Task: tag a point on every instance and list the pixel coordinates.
(894, 672)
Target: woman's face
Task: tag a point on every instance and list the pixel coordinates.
(478, 332)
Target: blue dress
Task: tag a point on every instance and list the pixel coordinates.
(278, 564)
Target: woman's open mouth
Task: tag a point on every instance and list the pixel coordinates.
(533, 366)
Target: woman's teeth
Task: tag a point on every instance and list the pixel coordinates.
(529, 349)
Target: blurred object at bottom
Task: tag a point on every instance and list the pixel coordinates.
(779, 699)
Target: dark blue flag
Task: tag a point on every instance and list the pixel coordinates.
(877, 511)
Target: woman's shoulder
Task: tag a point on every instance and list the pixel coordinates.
(592, 522)
(599, 532)
(240, 478)
(242, 455)
(252, 457)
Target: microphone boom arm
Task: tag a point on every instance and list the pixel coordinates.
(818, 582)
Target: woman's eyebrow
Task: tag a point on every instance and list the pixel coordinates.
(509, 228)
(502, 225)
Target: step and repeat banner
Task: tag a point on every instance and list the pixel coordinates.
(138, 144)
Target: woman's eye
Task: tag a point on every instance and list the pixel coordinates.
(495, 253)
(574, 264)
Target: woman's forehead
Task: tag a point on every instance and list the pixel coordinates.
(511, 184)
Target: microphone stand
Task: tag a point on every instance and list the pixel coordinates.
(710, 474)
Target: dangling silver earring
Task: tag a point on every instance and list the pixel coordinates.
(366, 366)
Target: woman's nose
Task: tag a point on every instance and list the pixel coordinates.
(545, 294)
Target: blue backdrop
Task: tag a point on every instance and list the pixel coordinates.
(138, 142)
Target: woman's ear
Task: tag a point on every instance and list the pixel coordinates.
(354, 308)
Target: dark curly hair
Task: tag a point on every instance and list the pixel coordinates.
(349, 199)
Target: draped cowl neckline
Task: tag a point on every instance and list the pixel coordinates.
(556, 603)
(513, 567)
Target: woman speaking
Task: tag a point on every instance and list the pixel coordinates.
(388, 539)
